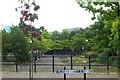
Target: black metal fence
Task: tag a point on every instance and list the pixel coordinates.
(52, 63)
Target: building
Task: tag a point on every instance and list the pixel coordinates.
(73, 29)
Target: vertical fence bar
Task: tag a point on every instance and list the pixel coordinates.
(71, 62)
(89, 62)
(107, 64)
(16, 67)
(53, 62)
(64, 74)
(29, 71)
(84, 74)
(35, 64)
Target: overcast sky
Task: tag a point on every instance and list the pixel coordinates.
(53, 14)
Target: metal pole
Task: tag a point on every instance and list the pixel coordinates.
(118, 11)
(89, 63)
(71, 62)
(16, 67)
(30, 71)
(84, 74)
(32, 57)
(64, 74)
(31, 63)
(107, 64)
(35, 58)
(53, 62)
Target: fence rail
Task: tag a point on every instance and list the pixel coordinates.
(51, 63)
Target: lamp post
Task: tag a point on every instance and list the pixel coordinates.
(86, 48)
(83, 50)
(27, 25)
(118, 11)
(31, 61)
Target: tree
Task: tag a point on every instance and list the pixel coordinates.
(77, 42)
(108, 14)
(20, 45)
(5, 43)
(64, 35)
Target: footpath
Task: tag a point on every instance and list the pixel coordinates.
(55, 76)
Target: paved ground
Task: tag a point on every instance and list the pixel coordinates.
(54, 75)
(60, 79)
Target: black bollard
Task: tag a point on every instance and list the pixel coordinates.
(64, 74)
(53, 62)
(84, 74)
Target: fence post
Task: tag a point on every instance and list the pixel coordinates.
(84, 74)
(64, 74)
(35, 64)
(16, 67)
(53, 62)
(71, 62)
(107, 64)
(89, 62)
(29, 71)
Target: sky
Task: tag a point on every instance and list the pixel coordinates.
(53, 14)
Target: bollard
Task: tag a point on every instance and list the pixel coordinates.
(84, 74)
(53, 62)
(64, 74)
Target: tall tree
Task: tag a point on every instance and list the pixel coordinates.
(5, 43)
(107, 12)
(20, 45)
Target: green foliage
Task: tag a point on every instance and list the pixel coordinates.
(80, 61)
(106, 29)
(90, 53)
(20, 45)
(5, 43)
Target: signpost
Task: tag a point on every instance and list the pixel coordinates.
(84, 71)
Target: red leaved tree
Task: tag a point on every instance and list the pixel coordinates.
(28, 10)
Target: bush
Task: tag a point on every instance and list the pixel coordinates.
(79, 60)
(93, 54)
(113, 60)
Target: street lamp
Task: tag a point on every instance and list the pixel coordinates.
(86, 44)
(31, 62)
(86, 40)
(83, 49)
